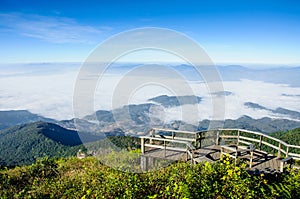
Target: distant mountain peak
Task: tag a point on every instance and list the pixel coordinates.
(173, 101)
(278, 111)
(15, 117)
(254, 106)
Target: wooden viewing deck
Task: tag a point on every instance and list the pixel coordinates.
(195, 147)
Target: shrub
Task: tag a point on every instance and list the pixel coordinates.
(89, 178)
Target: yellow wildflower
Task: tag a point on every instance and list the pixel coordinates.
(230, 172)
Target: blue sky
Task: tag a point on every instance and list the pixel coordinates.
(230, 31)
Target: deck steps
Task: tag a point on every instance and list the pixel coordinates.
(202, 159)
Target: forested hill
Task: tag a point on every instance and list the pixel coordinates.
(23, 144)
(290, 137)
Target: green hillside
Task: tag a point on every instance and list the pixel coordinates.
(88, 178)
(290, 137)
(24, 144)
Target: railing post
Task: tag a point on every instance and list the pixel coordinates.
(187, 153)
(238, 139)
(260, 142)
(143, 145)
(144, 163)
(165, 148)
(172, 135)
(200, 139)
(192, 158)
(251, 159)
(279, 150)
(287, 152)
(281, 166)
(151, 135)
(218, 136)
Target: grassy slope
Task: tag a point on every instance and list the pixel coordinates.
(88, 178)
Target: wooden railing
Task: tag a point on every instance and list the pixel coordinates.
(188, 142)
(189, 136)
(166, 144)
(261, 140)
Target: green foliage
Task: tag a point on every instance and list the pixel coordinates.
(292, 184)
(124, 160)
(24, 144)
(290, 137)
(125, 142)
(89, 178)
(265, 125)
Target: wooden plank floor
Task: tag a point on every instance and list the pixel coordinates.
(207, 154)
(271, 164)
(212, 153)
(168, 154)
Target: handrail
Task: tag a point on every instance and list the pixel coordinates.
(168, 140)
(256, 133)
(175, 131)
(294, 146)
(245, 139)
(189, 147)
(260, 141)
(180, 131)
(193, 137)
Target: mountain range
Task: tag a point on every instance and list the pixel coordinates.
(25, 143)
(281, 111)
(134, 118)
(25, 136)
(277, 75)
(15, 117)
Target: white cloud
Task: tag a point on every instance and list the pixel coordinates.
(268, 95)
(50, 93)
(49, 28)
